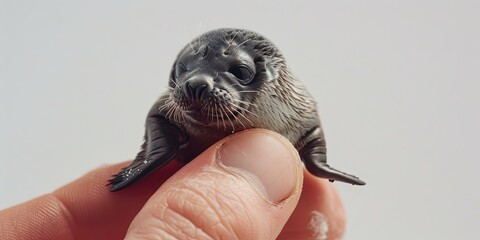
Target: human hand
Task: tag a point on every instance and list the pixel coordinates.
(246, 186)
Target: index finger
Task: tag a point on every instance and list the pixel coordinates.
(82, 209)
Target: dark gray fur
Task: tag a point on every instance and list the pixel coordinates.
(224, 81)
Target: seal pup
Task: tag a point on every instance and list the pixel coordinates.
(224, 81)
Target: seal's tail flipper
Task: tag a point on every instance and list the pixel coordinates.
(315, 159)
(160, 147)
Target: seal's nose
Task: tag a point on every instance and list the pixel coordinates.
(196, 89)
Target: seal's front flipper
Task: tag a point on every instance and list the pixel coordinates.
(314, 157)
(162, 140)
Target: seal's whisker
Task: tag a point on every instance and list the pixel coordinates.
(234, 36)
(174, 82)
(242, 113)
(246, 91)
(191, 47)
(238, 109)
(232, 119)
(223, 118)
(231, 123)
(171, 111)
(230, 42)
(242, 91)
(164, 106)
(174, 114)
(167, 86)
(182, 116)
(239, 45)
(248, 111)
(244, 102)
(207, 110)
(220, 116)
(236, 116)
(212, 112)
(245, 109)
(216, 113)
(177, 116)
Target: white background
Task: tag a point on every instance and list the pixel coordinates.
(397, 86)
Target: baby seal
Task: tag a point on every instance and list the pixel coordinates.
(224, 81)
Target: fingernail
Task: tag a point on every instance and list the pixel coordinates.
(267, 161)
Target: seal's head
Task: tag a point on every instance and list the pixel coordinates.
(220, 79)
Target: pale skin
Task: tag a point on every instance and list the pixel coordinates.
(202, 200)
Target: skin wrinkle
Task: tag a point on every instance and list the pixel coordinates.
(208, 181)
(15, 224)
(194, 196)
(182, 229)
(65, 213)
(234, 209)
(165, 211)
(59, 234)
(47, 219)
(146, 231)
(227, 195)
(215, 211)
(217, 181)
(50, 210)
(198, 223)
(69, 198)
(148, 234)
(199, 197)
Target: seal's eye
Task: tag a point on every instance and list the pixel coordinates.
(180, 69)
(243, 73)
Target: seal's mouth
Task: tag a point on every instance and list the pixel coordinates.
(196, 116)
(208, 116)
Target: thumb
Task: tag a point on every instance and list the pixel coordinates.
(243, 187)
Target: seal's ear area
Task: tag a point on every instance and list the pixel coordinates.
(271, 71)
(266, 68)
(160, 147)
